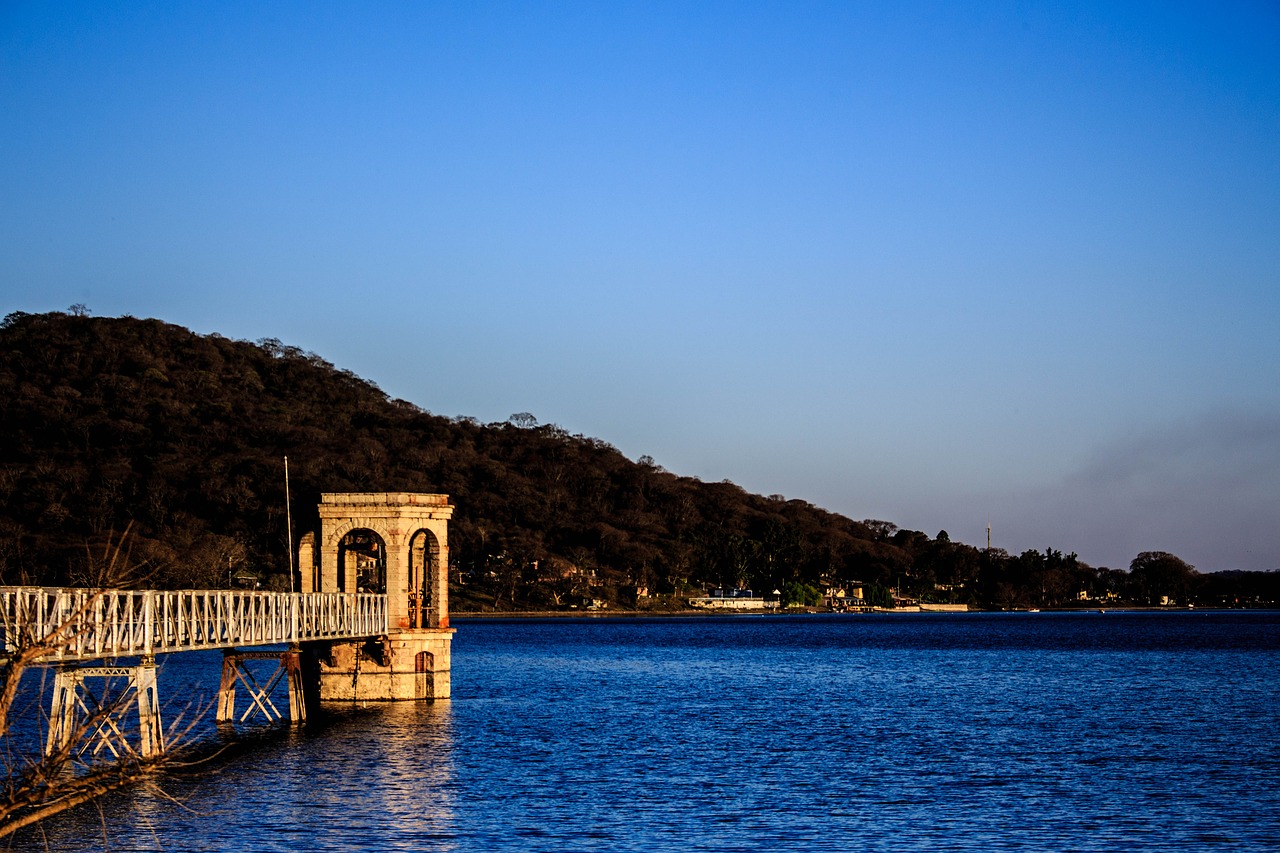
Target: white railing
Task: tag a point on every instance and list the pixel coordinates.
(83, 624)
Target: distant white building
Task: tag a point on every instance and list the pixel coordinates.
(731, 599)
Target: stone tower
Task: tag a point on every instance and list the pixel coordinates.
(395, 543)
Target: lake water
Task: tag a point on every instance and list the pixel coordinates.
(1019, 731)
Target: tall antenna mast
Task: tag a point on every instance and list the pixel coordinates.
(288, 516)
(988, 534)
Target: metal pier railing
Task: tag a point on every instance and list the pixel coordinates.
(86, 624)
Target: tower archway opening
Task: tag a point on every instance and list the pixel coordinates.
(362, 560)
(424, 564)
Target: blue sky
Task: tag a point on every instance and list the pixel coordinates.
(934, 263)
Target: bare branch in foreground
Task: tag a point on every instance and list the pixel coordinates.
(38, 786)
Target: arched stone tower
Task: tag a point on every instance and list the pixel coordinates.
(397, 543)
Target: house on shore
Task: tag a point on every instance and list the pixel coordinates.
(732, 599)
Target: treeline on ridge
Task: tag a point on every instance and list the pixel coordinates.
(122, 424)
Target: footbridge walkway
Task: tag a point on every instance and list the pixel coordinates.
(85, 624)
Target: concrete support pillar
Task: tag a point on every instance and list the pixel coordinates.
(291, 661)
(308, 571)
(329, 580)
(397, 574)
(438, 611)
(150, 730)
(62, 714)
(227, 688)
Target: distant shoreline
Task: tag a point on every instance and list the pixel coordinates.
(697, 613)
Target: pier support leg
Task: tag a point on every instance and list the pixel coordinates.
(292, 663)
(150, 731)
(62, 714)
(236, 671)
(99, 720)
(227, 688)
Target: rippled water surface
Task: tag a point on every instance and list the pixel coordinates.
(1047, 731)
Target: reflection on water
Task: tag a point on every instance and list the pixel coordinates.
(416, 766)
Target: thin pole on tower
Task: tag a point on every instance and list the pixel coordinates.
(288, 516)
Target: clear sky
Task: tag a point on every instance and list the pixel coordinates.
(933, 263)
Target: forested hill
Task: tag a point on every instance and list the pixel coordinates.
(115, 424)
(113, 421)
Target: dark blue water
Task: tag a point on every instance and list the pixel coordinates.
(1045, 731)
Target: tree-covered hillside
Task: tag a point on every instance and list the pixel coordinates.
(114, 424)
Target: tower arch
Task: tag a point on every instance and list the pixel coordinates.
(362, 558)
(411, 558)
(426, 574)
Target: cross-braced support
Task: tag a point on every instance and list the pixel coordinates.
(101, 717)
(235, 671)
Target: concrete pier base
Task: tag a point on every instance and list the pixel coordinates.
(409, 664)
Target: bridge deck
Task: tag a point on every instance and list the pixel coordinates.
(87, 624)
